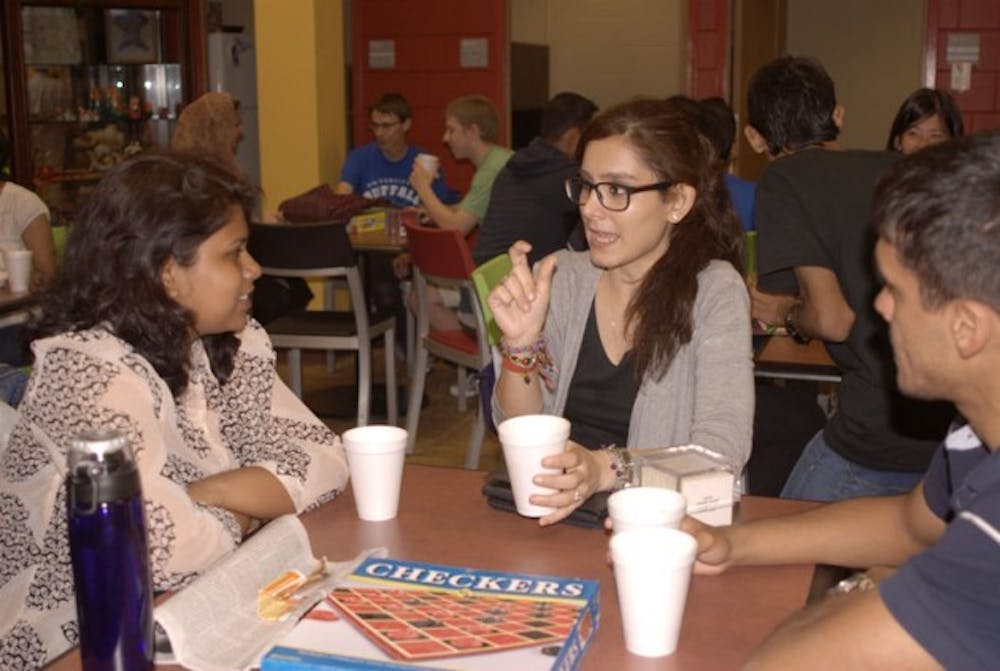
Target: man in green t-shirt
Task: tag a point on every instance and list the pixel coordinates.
(470, 129)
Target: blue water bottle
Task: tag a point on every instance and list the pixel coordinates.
(107, 541)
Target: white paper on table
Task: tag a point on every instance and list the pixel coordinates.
(212, 624)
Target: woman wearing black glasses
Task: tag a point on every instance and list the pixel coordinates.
(644, 340)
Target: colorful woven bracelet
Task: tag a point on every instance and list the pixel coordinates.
(534, 356)
(525, 356)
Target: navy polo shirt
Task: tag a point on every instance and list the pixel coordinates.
(948, 597)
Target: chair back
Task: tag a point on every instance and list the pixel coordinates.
(311, 250)
(485, 277)
(439, 253)
(296, 249)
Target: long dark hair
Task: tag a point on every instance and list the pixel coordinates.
(143, 212)
(921, 104)
(664, 134)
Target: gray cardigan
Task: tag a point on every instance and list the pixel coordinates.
(706, 397)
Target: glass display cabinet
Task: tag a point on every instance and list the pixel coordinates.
(91, 83)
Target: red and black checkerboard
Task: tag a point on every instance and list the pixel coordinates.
(419, 625)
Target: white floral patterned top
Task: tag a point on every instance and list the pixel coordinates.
(91, 379)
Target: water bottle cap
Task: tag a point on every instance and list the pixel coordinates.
(101, 469)
(107, 446)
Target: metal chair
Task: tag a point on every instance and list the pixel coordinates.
(323, 251)
(442, 258)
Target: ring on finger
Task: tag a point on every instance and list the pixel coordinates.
(577, 496)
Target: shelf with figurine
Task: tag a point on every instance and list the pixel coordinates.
(94, 82)
(100, 93)
(84, 119)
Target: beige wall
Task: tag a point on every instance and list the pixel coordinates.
(873, 51)
(607, 51)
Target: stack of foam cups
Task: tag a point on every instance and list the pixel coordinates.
(652, 565)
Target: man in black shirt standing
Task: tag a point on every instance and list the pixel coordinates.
(817, 279)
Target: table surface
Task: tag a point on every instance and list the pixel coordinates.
(443, 518)
(781, 356)
(377, 241)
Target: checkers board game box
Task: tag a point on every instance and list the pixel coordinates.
(394, 614)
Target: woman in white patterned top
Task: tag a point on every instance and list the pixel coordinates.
(147, 331)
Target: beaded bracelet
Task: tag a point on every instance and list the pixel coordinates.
(622, 465)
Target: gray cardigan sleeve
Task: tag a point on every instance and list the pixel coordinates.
(723, 389)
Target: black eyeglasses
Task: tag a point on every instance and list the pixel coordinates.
(384, 125)
(611, 196)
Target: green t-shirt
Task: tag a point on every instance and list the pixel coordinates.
(477, 200)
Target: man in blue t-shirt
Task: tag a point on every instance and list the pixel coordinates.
(937, 214)
(381, 169)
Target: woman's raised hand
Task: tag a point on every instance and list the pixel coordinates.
(521, 301)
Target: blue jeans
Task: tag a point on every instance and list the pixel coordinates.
(821, 474)
(13, 382)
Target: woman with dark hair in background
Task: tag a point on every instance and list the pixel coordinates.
(147, 331)
(926, 117)
(644, 340)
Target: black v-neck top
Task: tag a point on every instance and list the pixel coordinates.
(601, 394)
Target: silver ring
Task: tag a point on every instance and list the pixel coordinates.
(577, 496)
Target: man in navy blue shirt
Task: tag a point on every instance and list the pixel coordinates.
(938, 219)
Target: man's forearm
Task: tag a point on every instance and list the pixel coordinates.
(856, 533)
(854, 632)
(824, 325)
(445, 216)
(823, 311)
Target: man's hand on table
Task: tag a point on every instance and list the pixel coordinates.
(715, 549)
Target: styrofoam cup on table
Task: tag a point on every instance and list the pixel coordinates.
(526, 440)
(18, 264)
(652, 569)
(646, 507)
(375, 456)
(430, 162)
